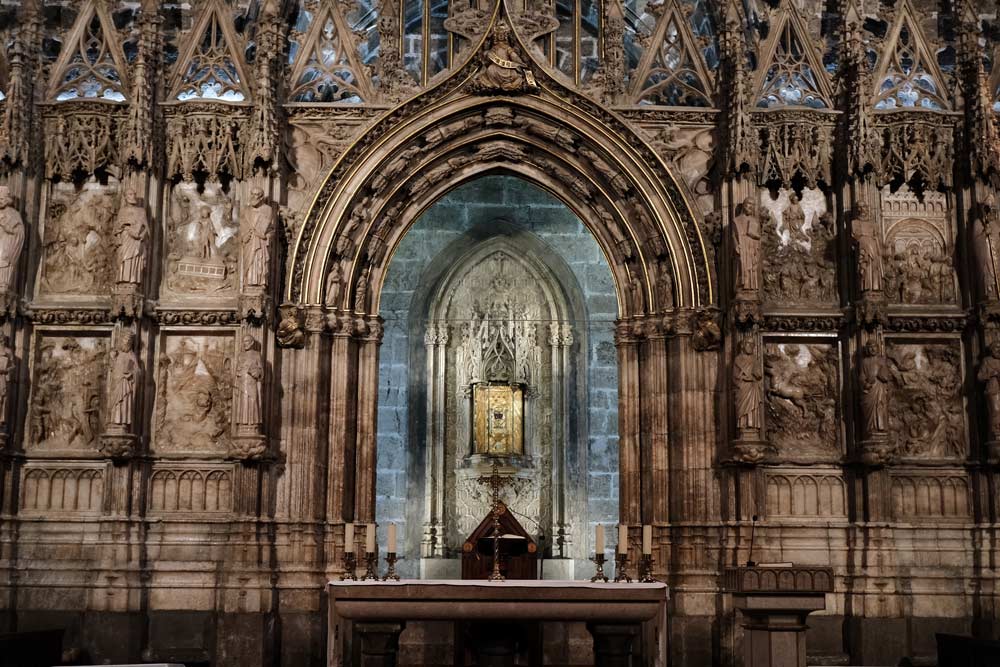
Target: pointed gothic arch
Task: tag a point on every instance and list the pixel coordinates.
(465, 127)
(907, 73)
(92, 63)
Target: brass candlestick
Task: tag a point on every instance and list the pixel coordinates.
(599, 575)
(621, 576)
(350, 565)
(646, 569)
(496, 482)
(390, 573)
(371, 566)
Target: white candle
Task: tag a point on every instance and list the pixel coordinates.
(392, 538)
(599, 542)
(370, 539)
(647, 540)
(349, 537)
(622, 538)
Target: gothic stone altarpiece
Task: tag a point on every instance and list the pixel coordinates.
(199, 203)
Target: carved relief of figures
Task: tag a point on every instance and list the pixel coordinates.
(11, 239)
(747, 377)
(921, 272)
(257, 227)
(202, 241)
(926, 419)
(68, 392)
(801, 391)
(919, 240)
(77, 241)
(866, 235)
(986, 243)
(124, 380)
(249, 384)
(798, 250)
(989, 375)
(194, 383)
(131, 234)
(874, 378)
(746, 246)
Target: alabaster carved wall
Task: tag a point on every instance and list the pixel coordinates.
(795, 204)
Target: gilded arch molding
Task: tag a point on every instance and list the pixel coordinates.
(541, 131)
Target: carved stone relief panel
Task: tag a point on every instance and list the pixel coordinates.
(690, 151)
(802, 386)
(926, 408)
(194, 380)
(190, 489)
(78, 239)
(929, 495)
(919, 248)
(202, 242)
(313, 146)
(814, 494)
(65, 487)
(799, 248)
(67, 397)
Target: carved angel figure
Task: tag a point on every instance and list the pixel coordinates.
(875, 376)
(249, 379)
(869, 250)
(989, 373)
(131, 231)
(11, 238)
(746, 237)
(749, 392)
(124, 376)
(257, 226)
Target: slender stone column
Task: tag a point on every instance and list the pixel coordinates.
(369, 331)
(436, 342)
(655, 423)
(627, 342)
(342, 419)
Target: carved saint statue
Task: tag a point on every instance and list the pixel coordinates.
(6, 370)
(257, 226)
(747, 377)
(361, 291)
(989, 373)
(875, 376)
(795, 219)
(202, 235)
(249, 380)
(124, 376)
(746, 237)
(11, 238)
(334, 280)
(986, 242)
(131, 230)
(869, 250)
(503, 69)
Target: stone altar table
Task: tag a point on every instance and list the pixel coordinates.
(366, 618)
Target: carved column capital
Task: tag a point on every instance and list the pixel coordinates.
(627, 332)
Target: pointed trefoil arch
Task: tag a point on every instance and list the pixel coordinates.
(791, 72)
(91, 64)
(672, 71)
(210, 65)
(328, 68)
(907, 75)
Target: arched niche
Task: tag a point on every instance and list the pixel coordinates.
(570, 397)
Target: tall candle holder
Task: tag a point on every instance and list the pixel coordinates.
(599, 575)
(350, 566)
(371, 566)
(390, 573)
(621, 576)
(646, 569)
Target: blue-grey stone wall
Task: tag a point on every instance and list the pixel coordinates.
(473, 206)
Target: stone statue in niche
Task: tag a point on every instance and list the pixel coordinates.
(874, 378)
(361, 291)
(7, 368)
(68, 393)
(799, 258)
(746, 245)
(76, 245)
(926, 420)
(203, 246)
(989, 375)
(747, 378)
(249, 384)
(866, 235)
(131, 233)
(986, 242)
(502, 69)
(801, 388)
(257, 227)
(124, 380)
(334, 283)
(11, 240)
(195, 392)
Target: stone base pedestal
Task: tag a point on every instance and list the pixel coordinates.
(613, 643)
(377, 644)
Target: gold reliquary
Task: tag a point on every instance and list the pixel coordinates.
(498, 419)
